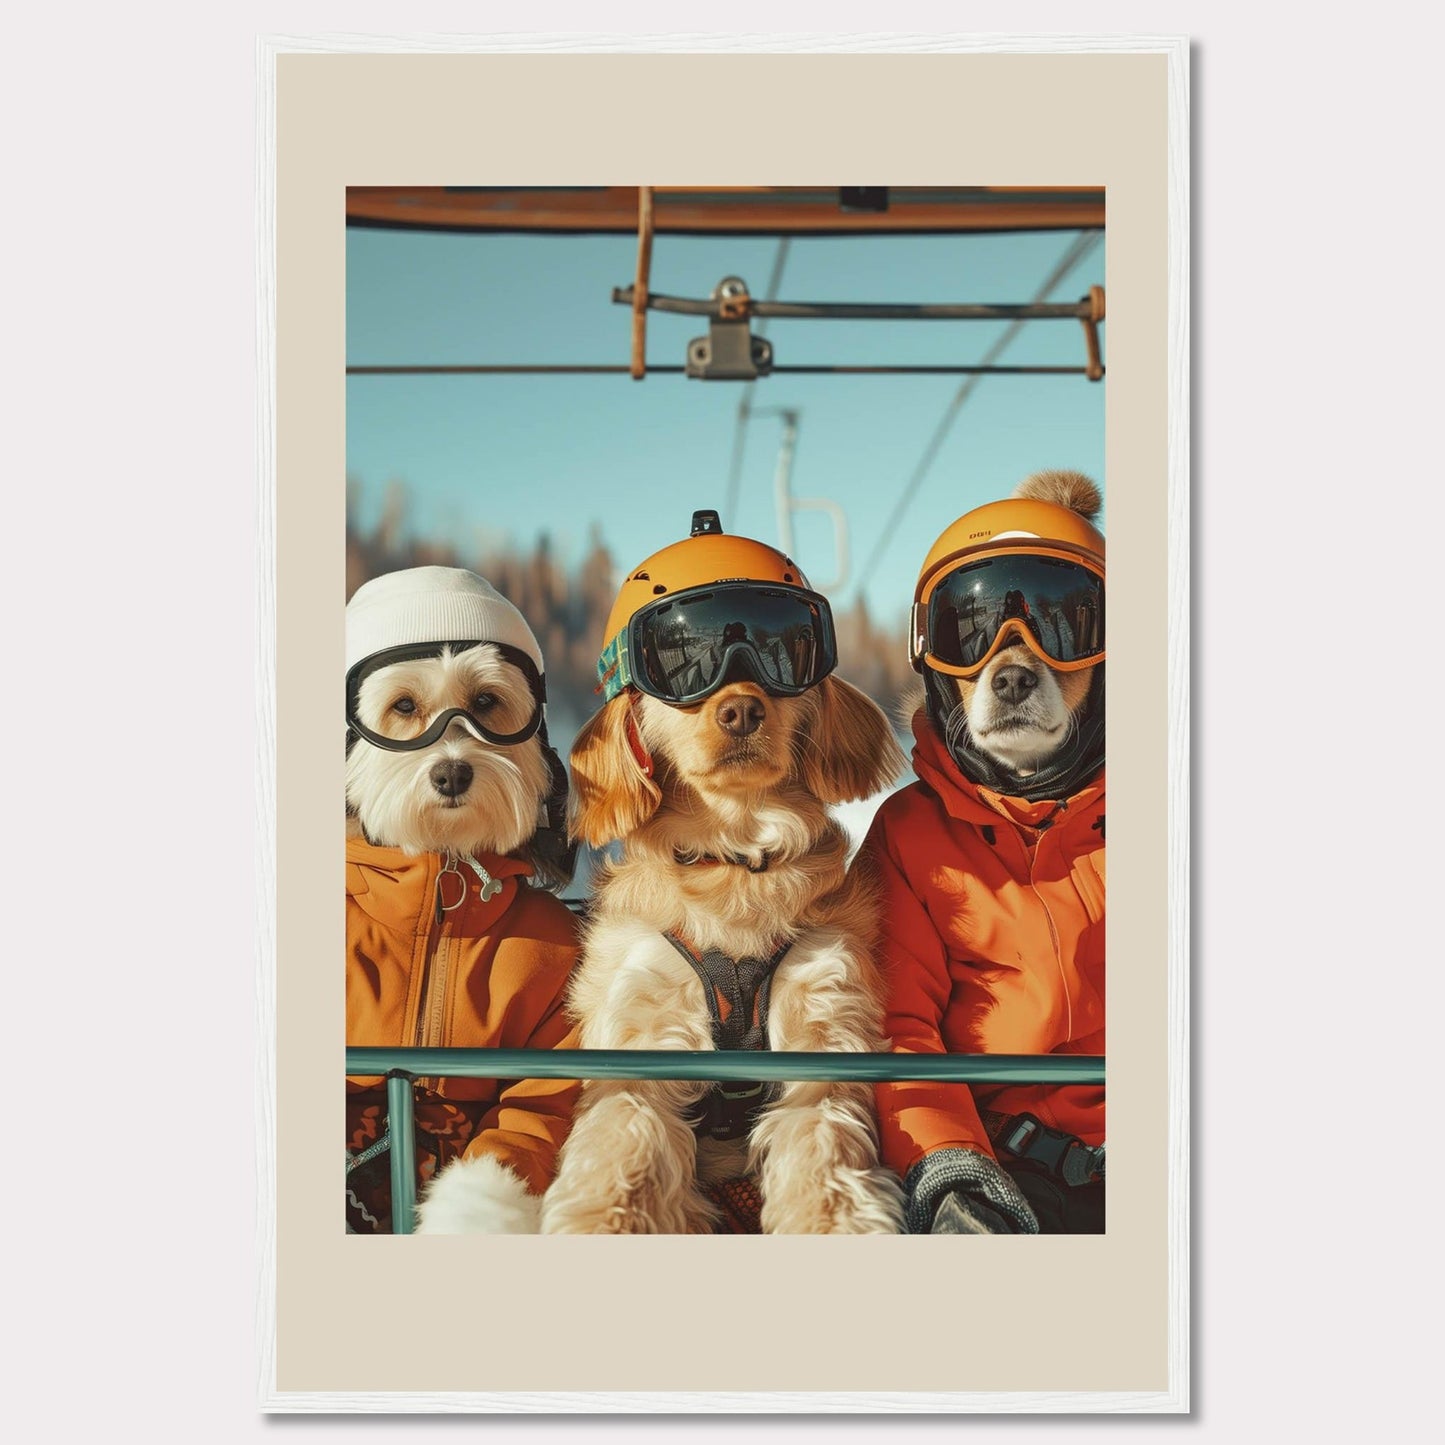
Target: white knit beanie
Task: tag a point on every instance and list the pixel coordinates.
(432, 604)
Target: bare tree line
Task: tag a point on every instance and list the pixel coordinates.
(567, 607)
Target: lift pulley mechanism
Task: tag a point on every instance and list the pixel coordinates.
(730, 352)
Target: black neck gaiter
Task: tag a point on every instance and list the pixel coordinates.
(1070, 769)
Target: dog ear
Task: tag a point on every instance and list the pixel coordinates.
(851, 752)
(611, 795)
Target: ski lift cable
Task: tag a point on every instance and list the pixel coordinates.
(1078, 249)
(745, 403)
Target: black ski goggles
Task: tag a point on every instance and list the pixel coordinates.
(1051, 602)
(474, 720)
(682, 648)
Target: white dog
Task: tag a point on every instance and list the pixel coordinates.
(454, 799)
(462, 794)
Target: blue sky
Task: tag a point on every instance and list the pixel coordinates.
(487, 458)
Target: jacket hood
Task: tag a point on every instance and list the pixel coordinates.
(974, 802)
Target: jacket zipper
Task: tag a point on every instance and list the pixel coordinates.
(431, 1006)
(431, 996)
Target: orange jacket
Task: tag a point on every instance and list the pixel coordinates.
(489, 974)
(993, 942)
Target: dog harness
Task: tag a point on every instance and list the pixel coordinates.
(737, 992)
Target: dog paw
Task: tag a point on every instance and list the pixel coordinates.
(584, 1216)
(637, 1211)
(477, 1195)
(853, 1201)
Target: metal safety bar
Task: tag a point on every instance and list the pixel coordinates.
(400, 1066)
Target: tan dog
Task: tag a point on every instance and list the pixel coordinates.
(728, 847)
(992, 866)
(1019, 711)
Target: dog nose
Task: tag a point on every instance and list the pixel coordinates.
(1014, 684)
(451, 778)
(741, 714)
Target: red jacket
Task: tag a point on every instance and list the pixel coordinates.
(993, 942)
(489, 973)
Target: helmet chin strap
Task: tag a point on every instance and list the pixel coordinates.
(550, 842)
(1064, 773)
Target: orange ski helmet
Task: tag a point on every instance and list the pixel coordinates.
(1018, 569)
(687, 615)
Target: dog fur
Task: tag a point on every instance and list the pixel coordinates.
(632, 1163)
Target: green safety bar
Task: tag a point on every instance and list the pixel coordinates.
(401, 1066)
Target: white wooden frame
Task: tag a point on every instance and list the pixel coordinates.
(1176, 1397)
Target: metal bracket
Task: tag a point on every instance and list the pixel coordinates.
(1094, 302)
(639, 288)
(729, 351)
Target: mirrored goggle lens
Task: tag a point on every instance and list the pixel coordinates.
(1060, 603)
(683, 646)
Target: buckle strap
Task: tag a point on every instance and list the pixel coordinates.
(377, 1146)
(1025, 1136)
(729, 1110)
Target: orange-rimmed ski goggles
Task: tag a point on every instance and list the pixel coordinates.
(1052, 601)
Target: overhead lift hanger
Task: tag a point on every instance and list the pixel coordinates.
(730, 351)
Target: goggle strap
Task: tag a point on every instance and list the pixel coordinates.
(918, 634)
(613, 671)
(408, 652)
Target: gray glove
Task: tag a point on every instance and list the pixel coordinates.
(960, 1213)
(962, 1191)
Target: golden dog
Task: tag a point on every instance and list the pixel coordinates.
(727, 845)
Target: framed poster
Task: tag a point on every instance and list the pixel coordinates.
(871, 1324)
